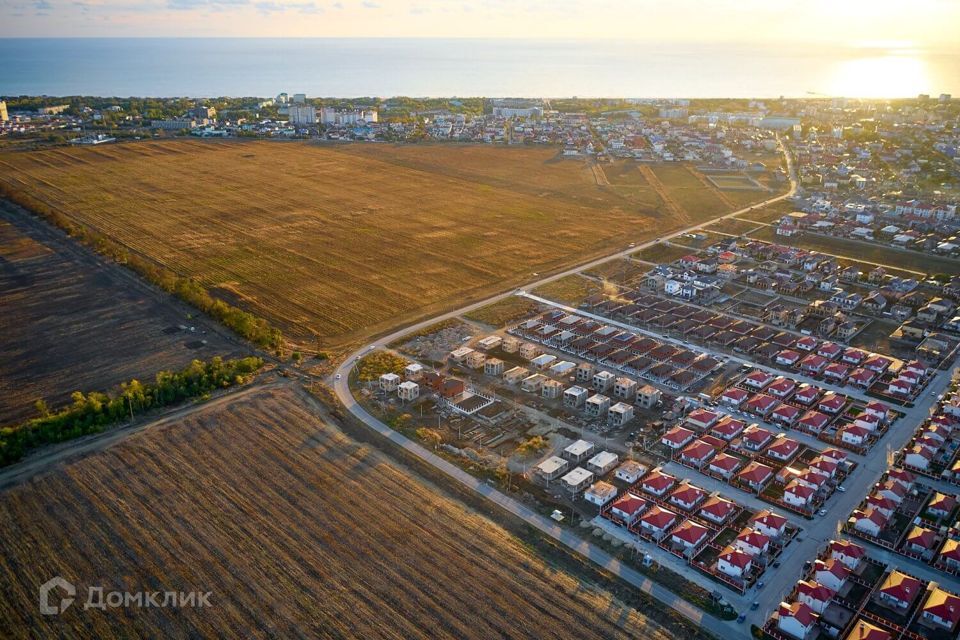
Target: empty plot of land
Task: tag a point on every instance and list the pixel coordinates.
(867, 252)
(686, 189)
(734, 182)
(73, 323)
(346, 240)
(297, 530)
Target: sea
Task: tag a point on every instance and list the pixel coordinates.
(355, 67)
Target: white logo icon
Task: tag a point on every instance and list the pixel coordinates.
(48, 609)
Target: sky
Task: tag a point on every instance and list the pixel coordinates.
(914, 23)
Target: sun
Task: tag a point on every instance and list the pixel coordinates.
(891, 75)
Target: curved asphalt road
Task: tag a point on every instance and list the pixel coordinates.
(339, 382)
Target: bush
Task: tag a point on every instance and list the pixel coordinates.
(536, 444)
(376, 364)
(95, 411)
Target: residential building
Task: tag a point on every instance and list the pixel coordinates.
(733, 562)
(625, 388)
(577, 480)
(942, 609)
(899, 590)
(796, 619)
(600, 493)
(578, 451)
(863, 630)
(493, 367)
(603, 462)
(551, 468)
(628, 507)
(620, 414)
(575, 397)
(630, 471)
(408, 391)
(389, 382)
(597, 405)
(648, 396)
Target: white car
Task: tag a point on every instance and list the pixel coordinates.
(337, 377)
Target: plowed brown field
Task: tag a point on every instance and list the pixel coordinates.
(299, 532)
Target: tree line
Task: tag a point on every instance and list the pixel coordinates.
(95, 411)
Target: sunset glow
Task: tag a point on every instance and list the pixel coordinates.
(924, 23)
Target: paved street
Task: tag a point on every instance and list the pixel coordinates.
(777, 582)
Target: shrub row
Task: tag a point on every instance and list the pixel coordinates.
(95, 411)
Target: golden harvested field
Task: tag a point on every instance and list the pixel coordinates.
(572, 289)
(299, 532)
(690, 193)
(348, 240)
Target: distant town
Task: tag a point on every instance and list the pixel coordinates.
(753, 407)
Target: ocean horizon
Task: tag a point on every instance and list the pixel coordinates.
(432, 67)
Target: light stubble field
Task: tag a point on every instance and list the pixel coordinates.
(297, 529)
(345, 241)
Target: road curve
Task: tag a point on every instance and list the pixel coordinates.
(339, 382)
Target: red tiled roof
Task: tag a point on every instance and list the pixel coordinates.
(786, 412)
(901, 587)
(783, 447)
(832, 401)
(813, 362)
(658, 517)
(736, 557)
(659, 481)
(782, 386)
(725, 462)
(802, 491)
(718, 507)
(944, 605)
(789, 356)
(629, 503)
(799, 611)
(734, 394)
(690, 532)
(847, 548)
(833, 567)
(770, 519)
(815, 420)
(806, 393)
(688, 494)
(757, 435)
(728, 427)
(753, 538)
(760, 402)
(815, 590)
(942, 502)
(677, 435)
(920, 537)
(697, 450)
(863, 630)
(756, 472)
